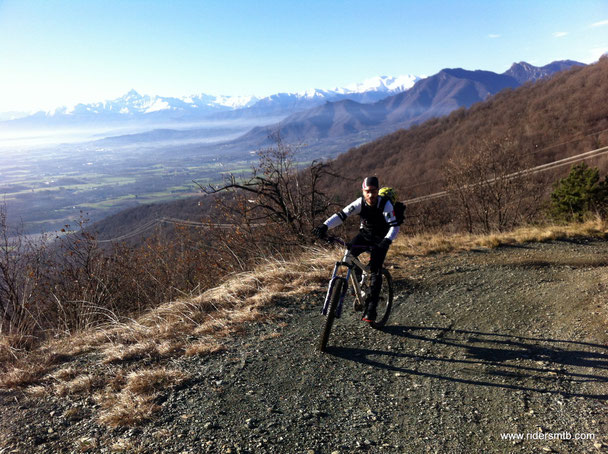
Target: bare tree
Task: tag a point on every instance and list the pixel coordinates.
(491, 187)
(21, 266)
(279, 193)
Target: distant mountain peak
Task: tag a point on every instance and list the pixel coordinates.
(132, 93)
(388, 84)
(526, 72)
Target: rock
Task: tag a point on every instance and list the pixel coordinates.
(250, 423)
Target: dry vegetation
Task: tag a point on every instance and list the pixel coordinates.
(431, 243)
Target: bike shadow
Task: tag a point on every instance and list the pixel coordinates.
(489, 359)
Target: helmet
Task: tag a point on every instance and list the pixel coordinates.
(370, 181)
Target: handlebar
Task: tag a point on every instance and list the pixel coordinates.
(336, 239)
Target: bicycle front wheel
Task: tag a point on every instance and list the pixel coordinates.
(385, 302)
(336, 292)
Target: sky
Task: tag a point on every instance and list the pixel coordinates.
(62, 52)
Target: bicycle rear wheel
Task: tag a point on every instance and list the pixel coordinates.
(336, 291)
(385, 301)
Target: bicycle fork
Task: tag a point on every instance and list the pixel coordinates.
(332, 283)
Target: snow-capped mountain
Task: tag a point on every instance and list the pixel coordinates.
(135, 107)
(368, 91)
(384, 84)
(133, 103)
(13, 115)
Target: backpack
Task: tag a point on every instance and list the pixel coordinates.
(399, 207)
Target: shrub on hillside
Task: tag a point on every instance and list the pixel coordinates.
(579, 194)
(71, 283)
(282, 197)
(489, 186)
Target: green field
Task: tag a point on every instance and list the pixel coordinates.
(51, 190)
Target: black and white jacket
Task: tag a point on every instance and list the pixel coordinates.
(377, 221)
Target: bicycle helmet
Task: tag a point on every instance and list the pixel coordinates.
(370, 181)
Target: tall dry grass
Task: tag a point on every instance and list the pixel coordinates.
(432, 243)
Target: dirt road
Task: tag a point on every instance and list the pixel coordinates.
(492, 351)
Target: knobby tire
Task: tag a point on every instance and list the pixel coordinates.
(384, 307)
(336, 291)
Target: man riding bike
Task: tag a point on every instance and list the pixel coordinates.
(379, 227)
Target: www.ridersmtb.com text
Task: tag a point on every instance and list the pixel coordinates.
(546, 436)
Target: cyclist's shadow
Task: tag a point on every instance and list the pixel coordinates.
(489, 359)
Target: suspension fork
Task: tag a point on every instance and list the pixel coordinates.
(332, 283)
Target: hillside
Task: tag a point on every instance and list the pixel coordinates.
(126, 221)
(552, 118)
(482, 345)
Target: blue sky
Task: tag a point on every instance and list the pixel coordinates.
(60, 52)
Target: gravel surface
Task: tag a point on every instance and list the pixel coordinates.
(481, 346)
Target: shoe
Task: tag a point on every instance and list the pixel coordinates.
(370, 314)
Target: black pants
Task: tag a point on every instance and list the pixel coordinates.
(375, 263)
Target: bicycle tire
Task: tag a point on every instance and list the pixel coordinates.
(336, 291)
(385, 302)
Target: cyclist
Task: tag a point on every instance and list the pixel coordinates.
(379, 227)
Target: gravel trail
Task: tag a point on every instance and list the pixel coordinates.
(489, 351)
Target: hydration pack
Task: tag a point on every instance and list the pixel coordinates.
(399, 207)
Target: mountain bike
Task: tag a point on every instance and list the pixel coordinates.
(348, 271)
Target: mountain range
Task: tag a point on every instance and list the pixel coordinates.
(431, 97)
(328, 121)
(158, 110)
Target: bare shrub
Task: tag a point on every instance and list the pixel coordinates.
(490, 187)
(279, 193)
(21, 266)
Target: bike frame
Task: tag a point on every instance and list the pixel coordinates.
(349, 261)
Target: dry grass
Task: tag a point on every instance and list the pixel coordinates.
(425, 244)
(136, 402)
(204, 347)
(149, 381)
(37, 391)
(82, 384)
(85, 444)
(66, 374)
(25, 375)
(126, 409)
(115, 353)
